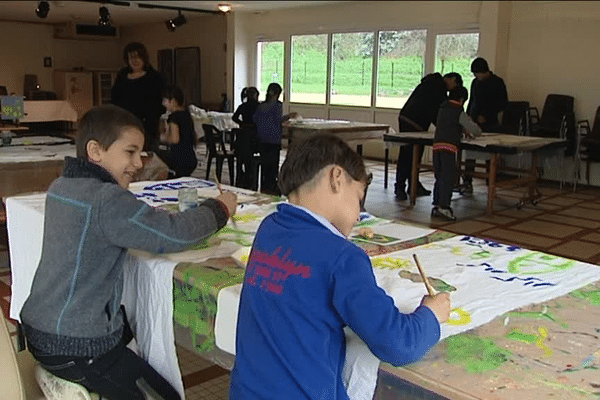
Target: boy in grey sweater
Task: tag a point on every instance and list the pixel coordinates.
(451, 122)
(73, 319)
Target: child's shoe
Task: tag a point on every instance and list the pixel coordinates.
(445, 213)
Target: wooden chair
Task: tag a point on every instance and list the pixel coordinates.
(215, 144)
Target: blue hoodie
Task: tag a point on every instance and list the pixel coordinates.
(304, 282)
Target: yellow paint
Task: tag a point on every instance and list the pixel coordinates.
(464, 317)
(390, 263)
(539, 341)
(245, 217)
(244, 259)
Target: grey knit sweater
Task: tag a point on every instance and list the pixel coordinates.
(90, 222)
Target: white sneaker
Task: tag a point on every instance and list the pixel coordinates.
(55, 388)
(445, 213)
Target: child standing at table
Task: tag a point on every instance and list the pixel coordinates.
(72, 319)
(268, 118)
(246, 141)
(179, 135)
(305, 281)
(451, 122)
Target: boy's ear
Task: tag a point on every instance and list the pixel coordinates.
(336, 175)
(94, 150)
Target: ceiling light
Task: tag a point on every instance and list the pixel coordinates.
(42, 9)
(104, 19)
(174, 23)
(224, 7)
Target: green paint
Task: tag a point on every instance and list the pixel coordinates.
(474, 353)
(195, 299)
(480, 254)
(369, 222)
(539, 263)
(438, 284)
(521, 337)
(549, 315)
(593, 296)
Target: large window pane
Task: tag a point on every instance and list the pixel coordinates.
(270, 66)
(454, 53)
(351, 69)
(309, 69)
(400, 66)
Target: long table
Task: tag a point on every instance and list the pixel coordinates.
(199, 289)
(494, 144)
(353, 132)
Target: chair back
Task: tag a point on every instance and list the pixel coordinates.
(555, 107)
(3, 91)
(595, 132)
(214, 139)
(515, 118)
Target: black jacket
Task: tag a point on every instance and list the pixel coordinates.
(487, 98)
(142, 97)
(424, 102)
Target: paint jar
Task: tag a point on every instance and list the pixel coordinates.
(6, 138)
(188, 198)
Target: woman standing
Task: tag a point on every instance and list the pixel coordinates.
(138, 88)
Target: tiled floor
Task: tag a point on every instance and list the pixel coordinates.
(564, 222)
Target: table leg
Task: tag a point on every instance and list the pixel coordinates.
(492, 182)
(533, 184)
(414, 173)
(385, 167)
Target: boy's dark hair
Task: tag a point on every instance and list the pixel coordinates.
(459, 93)
(456, 76)
(173, 92)
(104, 124)
(305, 159)
(273, 90)
(140, 49)
(479, 65)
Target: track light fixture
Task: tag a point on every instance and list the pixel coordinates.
(104, 19)
(42, 9)
(223, 7)
(174, 23)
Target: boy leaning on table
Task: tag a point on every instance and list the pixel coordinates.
(305, 281)
(72, 319)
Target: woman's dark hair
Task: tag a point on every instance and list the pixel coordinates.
(459, 93)
(252, 93)
(173, 92)
(104, 124)
(305, 159)
(244, 94)
(140, 49)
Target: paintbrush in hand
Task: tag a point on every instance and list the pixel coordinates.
(424, 277)
(221, 191)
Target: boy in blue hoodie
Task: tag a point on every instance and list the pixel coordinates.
(73, 319)
(305, 281)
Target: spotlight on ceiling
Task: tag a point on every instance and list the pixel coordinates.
(174, 23)
(104, 19)
(224, 7)
(42, 9)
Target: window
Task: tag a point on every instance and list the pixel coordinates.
(309, 69)
(400, 66)
(352, 69)
(454, 52)
(270, 58)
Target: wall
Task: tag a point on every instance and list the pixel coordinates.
(24, 46)
(208, 32)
